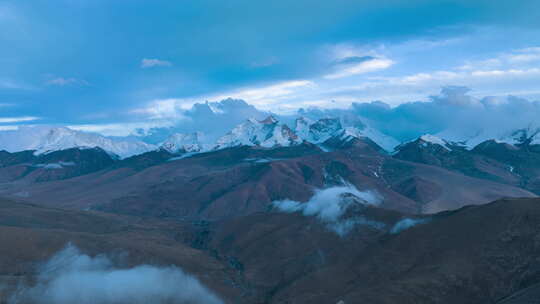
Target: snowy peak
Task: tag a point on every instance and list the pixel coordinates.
(526, 136)
(185, 143)
(48, 139)
(265, 133)
(269, 120)
(434, 140)
(384, 141)
(324, 129)
(428, 142)
(301, 127)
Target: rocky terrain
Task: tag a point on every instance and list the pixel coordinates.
(477, 254)
(270, 213)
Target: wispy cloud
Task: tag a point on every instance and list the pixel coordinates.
(11, 84)
(169, 108)
(17, 119)
(362, 67)
(62, 81)
(267, 95)
(121, 129)
(150, 63)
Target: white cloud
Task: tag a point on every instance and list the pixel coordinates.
(17, 119)
(330, 205)
(8, 128)
(121, 129)
(72, 277)
(405, 224)
(61, 81)
(169, 108)
(517, 59)
(267, 96)
(149, 63)
(361, 68)
(382, 72)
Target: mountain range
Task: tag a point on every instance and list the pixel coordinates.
(259, 162)
(267, 213)
(268, 133)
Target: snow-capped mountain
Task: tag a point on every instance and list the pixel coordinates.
(302, 126)
(428, 141)
(384, 141)
(271, 133)
(265, 133)
(319, 131)
(527, 135)
(45, 139)
(323, 129)
(185, 143)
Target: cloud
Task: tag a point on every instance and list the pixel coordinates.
(17, 119)
(150, 63)
(267, 95)
(405, 224)
(362, 73)
(10, 84)
(453, 114)
(73, 277)
(508, 73)
(61, 81)
(211, 56)
(331, 204)
(364, 66)
(122, 129)
(212, 118)
(169, 108)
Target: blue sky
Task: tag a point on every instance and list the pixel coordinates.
(142, 63)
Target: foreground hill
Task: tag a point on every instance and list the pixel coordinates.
(31, 234)
(477, 254)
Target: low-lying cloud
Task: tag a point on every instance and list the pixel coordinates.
(330, 206)
(72, 277)
(454, 114)
(405, 224)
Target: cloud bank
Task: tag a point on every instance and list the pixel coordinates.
(330, 206)
(453, 114)
(212, 118)
(72, 277)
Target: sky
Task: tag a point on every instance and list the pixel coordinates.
(116, 66)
